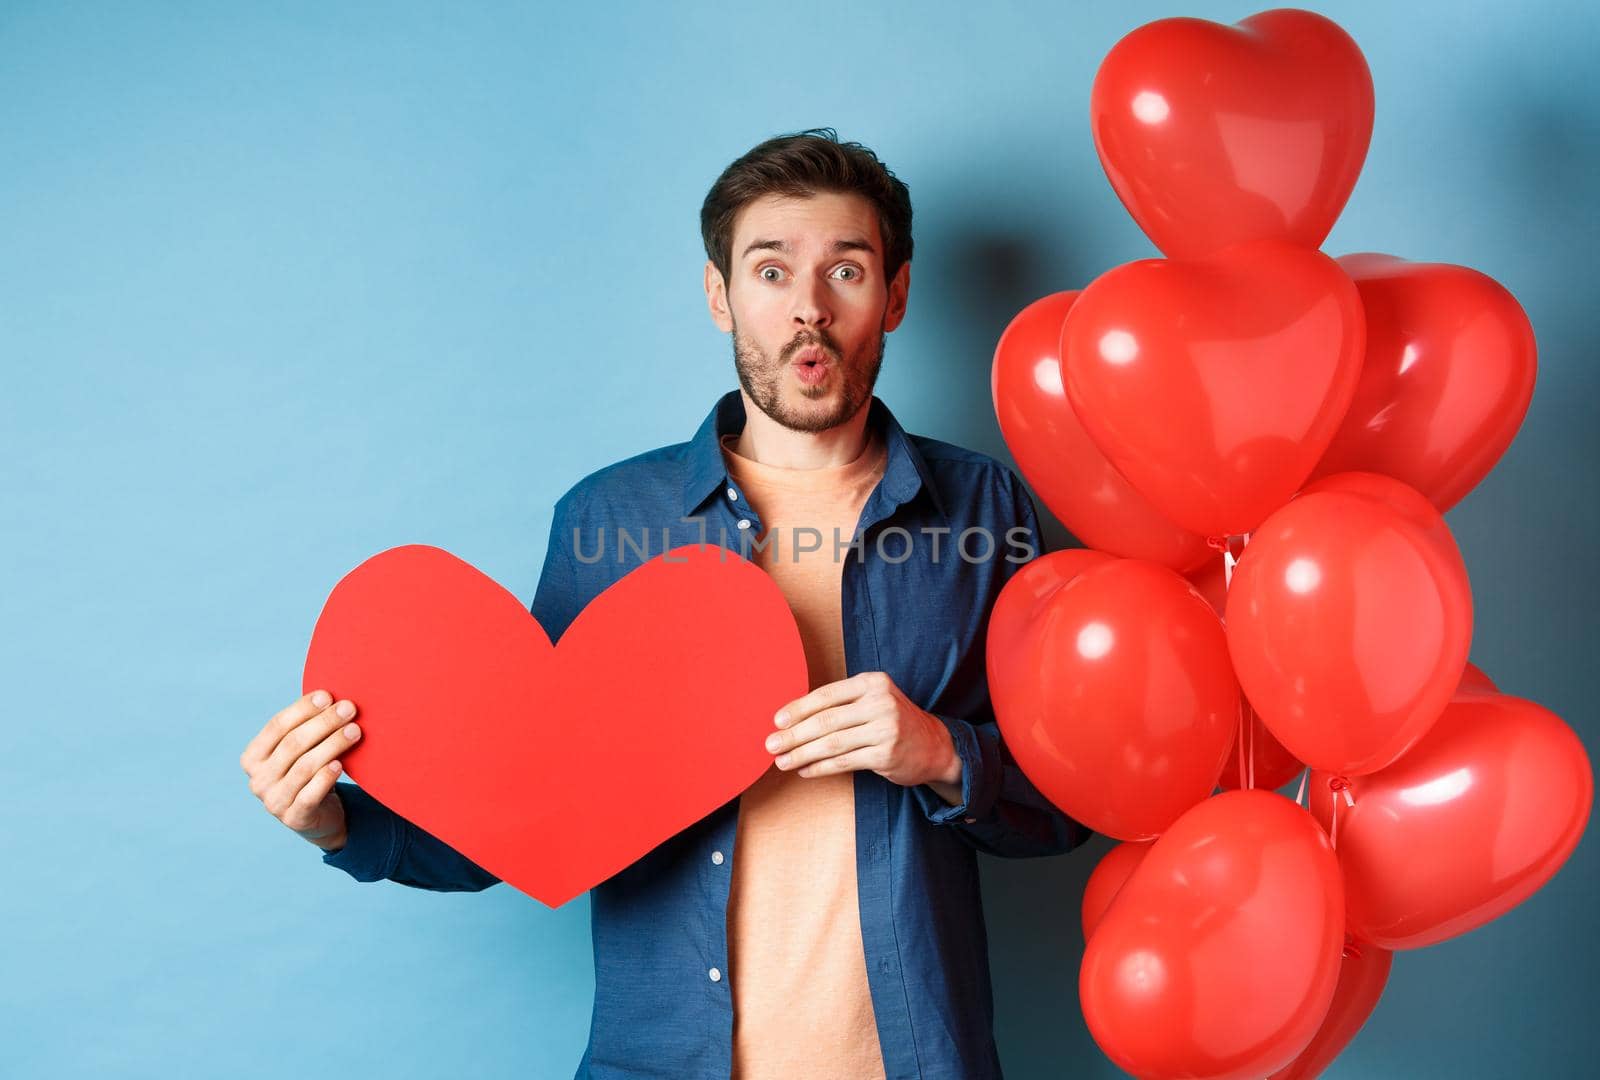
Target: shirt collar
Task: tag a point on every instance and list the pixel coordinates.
(904, 472)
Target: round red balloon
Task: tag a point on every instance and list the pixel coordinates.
(1212, 135)
(1220, 956)
(1113, 691)
(1015, 606)
(1214, 384)
(1349, 623)
(1057, 456)
(1446, 381)
(1363, 973)
(1403, 499)
(1210, 579)
(1467, 825)
(1473, 678)
(1108, 877)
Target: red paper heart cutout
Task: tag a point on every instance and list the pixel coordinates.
(556, 767)
(1214, 385)
(1446, 381)
(1213, 135)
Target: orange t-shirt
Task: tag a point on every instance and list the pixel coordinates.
(797, 969)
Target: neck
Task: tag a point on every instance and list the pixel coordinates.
(770, 443)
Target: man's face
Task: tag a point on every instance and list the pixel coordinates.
(808, 306)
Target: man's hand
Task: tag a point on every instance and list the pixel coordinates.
(865, 722)
(293, 762)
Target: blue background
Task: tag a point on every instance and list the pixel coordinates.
(285, 285)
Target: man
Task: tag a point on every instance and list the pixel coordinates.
(827, 923)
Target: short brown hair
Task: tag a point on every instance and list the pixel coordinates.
(806, 163)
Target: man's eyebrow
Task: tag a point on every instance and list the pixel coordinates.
(783, 246)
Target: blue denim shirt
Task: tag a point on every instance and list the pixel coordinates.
(663, 1006)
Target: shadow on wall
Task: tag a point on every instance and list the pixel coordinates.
(991, 269)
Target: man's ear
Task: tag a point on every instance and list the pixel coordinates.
(899, 289)
(717, 298)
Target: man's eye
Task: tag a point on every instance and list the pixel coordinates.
(770, 273)
(850, 272)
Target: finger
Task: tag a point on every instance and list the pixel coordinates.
(285, 792)
(828, 746)
(836, 718)
(830, 694)
(867, 757)
(283, 721)
(302, 813)
(303, 737)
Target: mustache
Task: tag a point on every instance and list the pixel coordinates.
(820, 340)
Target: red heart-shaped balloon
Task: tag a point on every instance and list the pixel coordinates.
(556, 767)
(1213, 135)
(1220, 953)
(1055, 453)
(1469, 823)
(1446, 381)
(1214, 384)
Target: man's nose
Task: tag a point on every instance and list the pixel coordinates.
(811, 304)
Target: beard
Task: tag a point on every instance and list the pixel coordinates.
(764, 378)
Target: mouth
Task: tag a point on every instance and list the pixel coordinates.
(811, 365)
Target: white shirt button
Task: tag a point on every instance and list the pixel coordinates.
(734, 495)
(716, 976)
(716, 857)
(744, 523)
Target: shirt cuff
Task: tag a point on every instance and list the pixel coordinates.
(980, 776)
(372, 842)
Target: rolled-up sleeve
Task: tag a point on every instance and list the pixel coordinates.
(385, 846)
(372, 836)
(1001, 812)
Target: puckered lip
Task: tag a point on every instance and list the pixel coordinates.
(811, 354)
